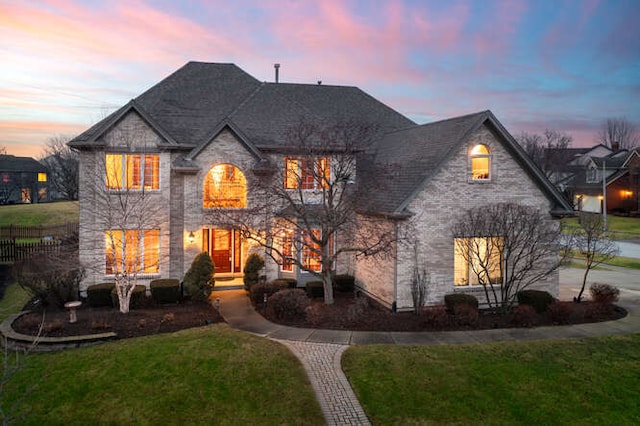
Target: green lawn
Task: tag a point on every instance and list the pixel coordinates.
(13, 301)
(208, 375)
(39, 214)
(620, 227)
(581, 381)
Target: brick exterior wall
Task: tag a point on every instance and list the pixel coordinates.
(436, 208)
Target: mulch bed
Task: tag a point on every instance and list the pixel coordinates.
(349, 312)
(153, 319)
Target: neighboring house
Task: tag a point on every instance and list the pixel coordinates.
(22, 180)
(206, 136)
(621, 171)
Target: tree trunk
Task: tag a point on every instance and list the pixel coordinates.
(584, 280)
(328, 288)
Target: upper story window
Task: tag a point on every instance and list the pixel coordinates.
(480, 163)
(133, 171)
(592, 174)
(42, 177)
(225, 187)
(307, 172)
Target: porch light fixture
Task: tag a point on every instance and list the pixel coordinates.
(191, 238)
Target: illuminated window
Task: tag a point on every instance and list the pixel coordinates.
(42, 194)
(25, 195)
(132, 171)
(480, 163)
(307, 172)
(132, 251)
(311, 256)
(477, 261)
(42, 177)
(286, 261)
(225, 187)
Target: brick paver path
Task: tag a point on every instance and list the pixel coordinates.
(335, 395)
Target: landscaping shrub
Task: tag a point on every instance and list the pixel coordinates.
(287, 282)
(252, 268)
(199, 281)
(524, 316)
(269, 288)
(51, 281)
(436, 316)
(561, 312)
(315, 289)
(538, 299)
(357, 308)
(100, 294)
(165, 290)
(604, 293)
(465, 314)
(288, 304)
(138, 297)
(344, 282)
(455, 299)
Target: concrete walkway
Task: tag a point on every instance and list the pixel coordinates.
(320, 350)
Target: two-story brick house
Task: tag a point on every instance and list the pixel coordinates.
(208, 135)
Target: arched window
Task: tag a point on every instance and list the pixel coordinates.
(480, 162)
(225, 187)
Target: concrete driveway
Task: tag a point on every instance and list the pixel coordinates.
(627, 280)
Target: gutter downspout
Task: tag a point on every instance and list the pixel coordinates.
(394, 305)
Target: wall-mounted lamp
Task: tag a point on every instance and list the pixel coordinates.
(191, 238)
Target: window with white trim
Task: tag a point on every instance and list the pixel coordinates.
(129, 251)
(478, 261)
(132, 171)
(480, 163)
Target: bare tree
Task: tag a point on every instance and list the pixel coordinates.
(593, 245)
(124, 210)
(546, 150)
(311, 219)
(507, 248)
(62, 163)
(3, 150)
(619, 132)
(420, 281)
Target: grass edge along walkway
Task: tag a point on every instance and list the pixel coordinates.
(568, 381)
(206, 375)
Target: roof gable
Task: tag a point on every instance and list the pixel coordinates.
(11, 163)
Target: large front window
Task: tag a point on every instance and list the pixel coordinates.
(225, 187)
(311, 256)
(132, 251)
(132, 171)
(307, 172)
(478, 261)
(480, 163)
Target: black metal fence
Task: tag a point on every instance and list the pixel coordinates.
(27, 232)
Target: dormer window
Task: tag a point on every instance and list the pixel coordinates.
(480, 160)
(592, 175)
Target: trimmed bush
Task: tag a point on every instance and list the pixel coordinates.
(198, 281)
(315, 289)
(138, 297)
(538, 299)
(604, 293)
(455, 299)
(465, 314)
(288, 304)
(345, 283)
(100, 294)
(269, 288)
(524, 316)
(287, 282)
(165, 290)
(252, 268)
(436, 316)
(561, 312)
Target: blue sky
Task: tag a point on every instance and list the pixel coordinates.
(563, 65)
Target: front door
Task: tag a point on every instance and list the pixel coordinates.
(225, 248)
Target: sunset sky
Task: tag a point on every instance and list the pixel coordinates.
(562, 65)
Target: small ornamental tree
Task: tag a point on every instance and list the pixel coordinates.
(252, 269)
(199, 281)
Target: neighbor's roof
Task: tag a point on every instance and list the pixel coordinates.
(11, 163)
(409, 158)
(187, 107)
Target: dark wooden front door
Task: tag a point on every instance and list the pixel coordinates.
(225, 248)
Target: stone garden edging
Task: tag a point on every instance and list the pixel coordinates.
(16, 340)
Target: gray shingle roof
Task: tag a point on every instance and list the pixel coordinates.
(11, 163)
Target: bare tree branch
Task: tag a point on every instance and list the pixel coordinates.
(619, 132)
